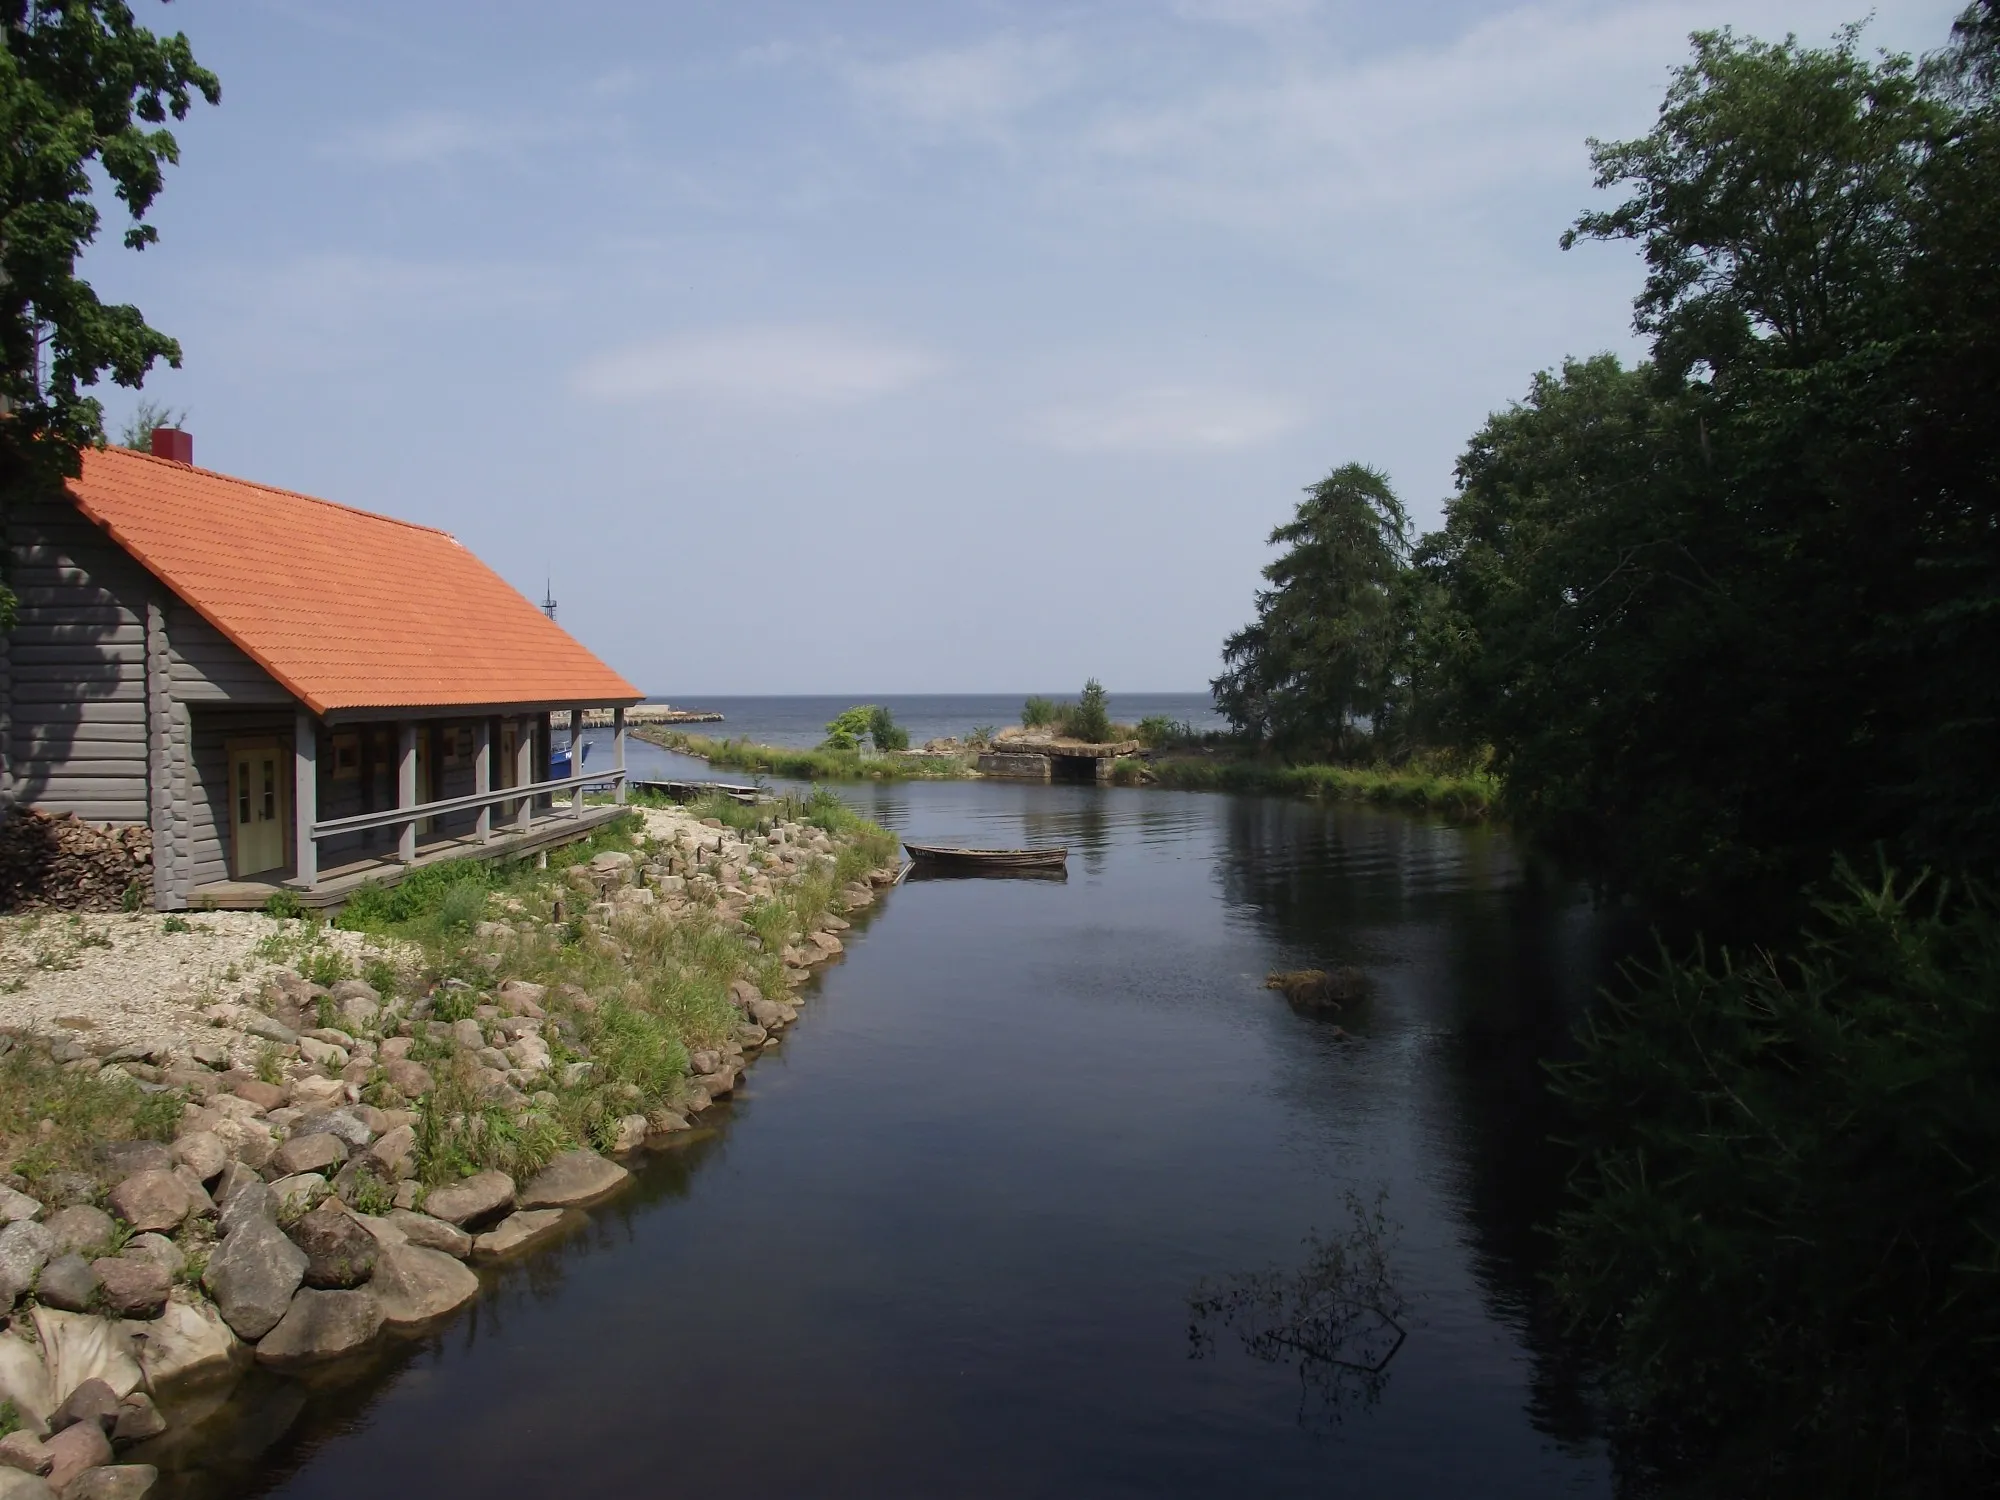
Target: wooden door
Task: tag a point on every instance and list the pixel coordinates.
(259, 804)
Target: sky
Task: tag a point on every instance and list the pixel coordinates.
(890, 348)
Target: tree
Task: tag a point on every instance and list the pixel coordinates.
(147, 418)
(1090, 720)
(886, 733)
(847, 731)
(1317, 670)
(83, 90)
(1731, 614)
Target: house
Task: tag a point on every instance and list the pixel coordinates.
(288, 692)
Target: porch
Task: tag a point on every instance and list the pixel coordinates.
(338, 882)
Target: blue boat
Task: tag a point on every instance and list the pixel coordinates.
(559, 761)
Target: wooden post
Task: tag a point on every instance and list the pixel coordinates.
(482, 775)
(406, 789)
(618, 753)
(576, 759)
(524, 772)
(305, 797)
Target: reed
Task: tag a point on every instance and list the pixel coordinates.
(1469, 796)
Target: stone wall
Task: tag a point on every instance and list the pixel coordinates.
(1019, 767)
(58, 860)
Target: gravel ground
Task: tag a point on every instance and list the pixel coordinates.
(131, 979)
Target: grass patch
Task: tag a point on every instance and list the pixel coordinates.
(81, 1109)
(629, 1003)
(1470, 796)
(810, 765)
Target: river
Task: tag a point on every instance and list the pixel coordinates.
(949, 1239)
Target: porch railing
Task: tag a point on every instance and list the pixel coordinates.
(405, 819)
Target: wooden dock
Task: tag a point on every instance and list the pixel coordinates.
(639, 713)
(694, 791)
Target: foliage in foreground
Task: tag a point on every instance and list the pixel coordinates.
(1787, 1227)
(85, 93)
(83, 1108)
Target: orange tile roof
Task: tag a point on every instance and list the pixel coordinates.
(346, 609)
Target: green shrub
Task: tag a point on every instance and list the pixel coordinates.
(846, 731)
(1158, 732)
(886, 733)
(461, 907)
(325, 966)
(1787, 1227)
(1038, 713)
(283, 905)
(133, 896)
(176, 924)
(1090, 718)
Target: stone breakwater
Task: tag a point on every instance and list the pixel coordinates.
(287, 1223)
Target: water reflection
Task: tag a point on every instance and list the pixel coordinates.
(1338, 1319)
(945, 1240)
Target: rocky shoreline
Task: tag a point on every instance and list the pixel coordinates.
(342, 1191)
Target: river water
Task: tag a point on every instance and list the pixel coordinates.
(949, 1239)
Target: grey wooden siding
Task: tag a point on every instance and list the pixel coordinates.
(207, 667)
(203, 855)
(76, 670)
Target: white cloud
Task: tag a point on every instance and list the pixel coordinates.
(444, 137)
(759, 366)
(978, 89)
(1166, 419)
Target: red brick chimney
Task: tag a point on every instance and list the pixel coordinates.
(172, 443)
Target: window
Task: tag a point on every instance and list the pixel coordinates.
(347, 756)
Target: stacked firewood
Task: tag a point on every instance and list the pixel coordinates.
(60, 861)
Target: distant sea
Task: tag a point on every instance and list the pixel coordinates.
(801, 722)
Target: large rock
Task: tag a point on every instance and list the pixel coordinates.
(15, 1206)
(183, 1341)
(416, 1285)
(428, 1233)
(252, 1275)
(25, 1247)
(75, 1449)
(251, 1200)
(572, 1178)
(93, 1401)
(125, 1158)
(250, 1141)
(309, 1153)
(113, 1482)
(138, 1420)
(339, 1252)
(520, 997)
(294, 1195)
(345, 1124)
(77, 1347)
(25, 1453)
(322, 1325)
(24, 1380)
(357, 1003)
(134, 1286)
(518, 1231)
(67, 1282)
(475, 1198)
(80, 1227)
(158, 1249)
(14, 1485)
(203, 1153)
(395, 1154)
(256, 1091)
(410, 1079)
(154, 1199)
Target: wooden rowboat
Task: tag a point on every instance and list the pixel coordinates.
(1053, 857)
